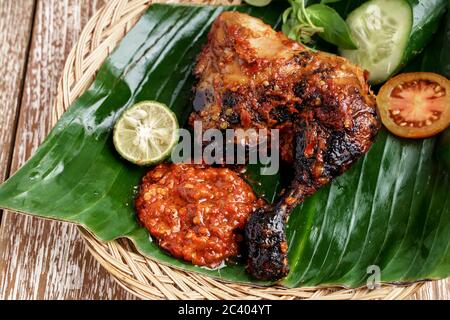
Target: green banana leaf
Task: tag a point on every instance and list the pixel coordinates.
(390, 209)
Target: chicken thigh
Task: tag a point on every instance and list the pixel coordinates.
(250, 76)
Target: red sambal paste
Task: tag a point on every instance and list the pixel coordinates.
(194, 211)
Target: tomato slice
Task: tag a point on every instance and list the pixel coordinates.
(415, 105)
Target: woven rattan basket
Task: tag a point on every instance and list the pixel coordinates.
(140, 275)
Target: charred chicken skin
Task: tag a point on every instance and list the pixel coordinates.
(250, 76)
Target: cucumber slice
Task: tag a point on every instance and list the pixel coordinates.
(258, 3)
(381, 29)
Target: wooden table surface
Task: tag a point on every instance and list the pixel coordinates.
(41, 259)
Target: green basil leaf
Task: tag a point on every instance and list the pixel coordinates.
(335, 28)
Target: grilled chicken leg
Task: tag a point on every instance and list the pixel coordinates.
(250, 76)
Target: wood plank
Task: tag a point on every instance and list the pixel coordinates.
(15, 38)
(46, 259)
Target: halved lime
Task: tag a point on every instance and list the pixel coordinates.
(258, 3)
(146, 133)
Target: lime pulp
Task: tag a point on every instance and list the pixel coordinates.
(146, 133)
